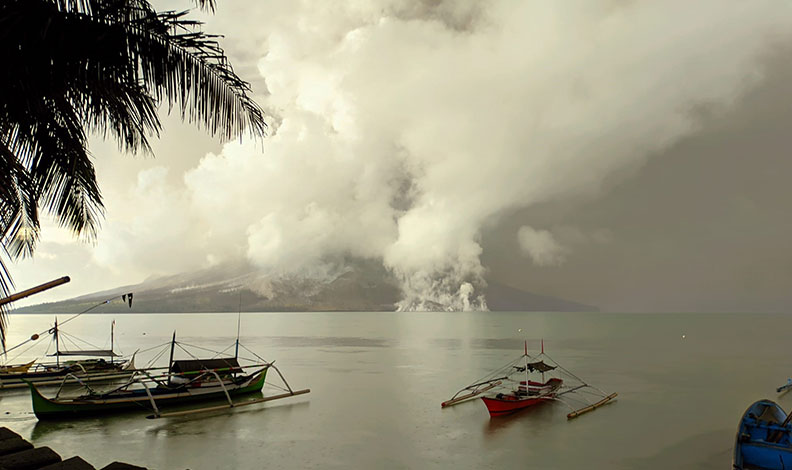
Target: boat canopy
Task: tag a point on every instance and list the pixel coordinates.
(194, 365)
(539, 366)
(88, 352)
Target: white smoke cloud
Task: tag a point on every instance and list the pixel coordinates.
(541, 246)
(401, 128)
(480, 111)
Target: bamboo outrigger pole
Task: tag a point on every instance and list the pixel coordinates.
(34, 290)
(234, 405)
(467, 396)
(586, 409)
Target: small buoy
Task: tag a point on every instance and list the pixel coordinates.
(144, 333)
(683, 336)
(34, 337)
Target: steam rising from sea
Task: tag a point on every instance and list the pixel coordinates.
(400, 129)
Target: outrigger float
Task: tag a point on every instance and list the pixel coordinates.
(186, 381)
(511, 388)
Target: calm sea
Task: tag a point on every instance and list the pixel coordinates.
(378, 379)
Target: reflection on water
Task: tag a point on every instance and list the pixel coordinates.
(378, 379)
(42, 428)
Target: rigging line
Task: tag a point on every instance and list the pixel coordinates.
(188, 352)
(91, 308)
(49, 345)
(575, 376)
(23, 352)
(249, 359)
(565, 403)
(253, 353)
(48, 330)
(221, 352)
(565, 370)
(156, 357)
(64, 338)
(197, 347)
(113, 341)
(74, 338)
(278, 387)
(154, 347)
(500, 371)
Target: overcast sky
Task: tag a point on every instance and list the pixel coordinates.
(626, 154)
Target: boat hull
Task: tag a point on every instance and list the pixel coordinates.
(72, 371)
(11, 381)
(501, 404)
(761, 442)
(499, 407)
(49, 409)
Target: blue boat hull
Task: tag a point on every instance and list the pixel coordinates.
(762, 443)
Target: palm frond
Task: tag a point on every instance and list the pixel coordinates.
(75, 67)
(206, 5)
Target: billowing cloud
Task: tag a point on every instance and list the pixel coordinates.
(400, 129)
(518, 104)
(541, 246)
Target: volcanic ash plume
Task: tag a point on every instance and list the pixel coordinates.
(401, 128)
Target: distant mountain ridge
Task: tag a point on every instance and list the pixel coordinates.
(360, 286)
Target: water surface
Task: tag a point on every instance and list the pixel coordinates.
(378, 379)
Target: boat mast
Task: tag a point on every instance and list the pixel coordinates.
(527, 376)
(170, 361)
(112, 343)
(239, 321)
(57, 344)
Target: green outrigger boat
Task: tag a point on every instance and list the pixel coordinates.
(186, 381)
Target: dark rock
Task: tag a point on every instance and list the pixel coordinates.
(6, 433)
(74, 463)
(30, 459)
(15, 444)
(122, 466)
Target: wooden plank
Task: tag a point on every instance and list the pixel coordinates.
(223, 407)
(468, 396)
(586, 409)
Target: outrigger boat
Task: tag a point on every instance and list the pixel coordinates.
(94, 364)
(511, 387)
(764, 438)
(186, 381)
(88, 370)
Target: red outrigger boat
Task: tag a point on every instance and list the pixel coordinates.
(511, 388)
(529, 393)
